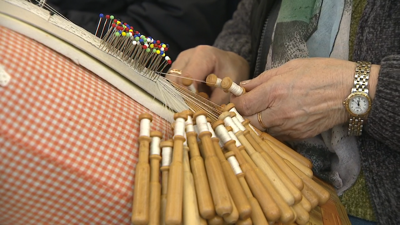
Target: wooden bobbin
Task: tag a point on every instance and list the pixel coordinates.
(290, 153)
(213, 81)
(218, 186)
(203, 192)
(173, 213)
(189, 84)
(217, 220)
(166, 147)
(141, 197)
(259, 160)
(257, 215)
(204, 95)
(229, 86)
(277, 162)
(190, 210)
(155, 186)
(267, 204)
(302, 216)
(322, 194)
(238, 195)
(286, 213)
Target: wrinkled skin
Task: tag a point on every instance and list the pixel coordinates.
(297, 100)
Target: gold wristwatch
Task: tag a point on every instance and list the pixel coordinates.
(358, 103)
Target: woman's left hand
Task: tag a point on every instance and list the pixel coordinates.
(301, 98)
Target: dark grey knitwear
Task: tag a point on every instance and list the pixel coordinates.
(377, 41)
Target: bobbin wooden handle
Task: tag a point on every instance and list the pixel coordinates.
(190, 211)
(155, 190)
(203, 192)
(233, 217)
(265, 167)
(290, 152)
(277, 160)
(216, 220)
(257, 215)
(219, 189)
(237, 193)
(322, 194)
(267, 204)
(173, 213)
(302, 216)
(286, 213)
(164, 185)
(140, 207)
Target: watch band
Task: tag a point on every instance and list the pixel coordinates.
(361, 78)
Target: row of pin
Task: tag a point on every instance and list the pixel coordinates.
(145, 54)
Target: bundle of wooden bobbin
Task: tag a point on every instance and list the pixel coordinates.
(221, 171)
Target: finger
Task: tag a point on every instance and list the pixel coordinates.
(267, 75)
(253, 101)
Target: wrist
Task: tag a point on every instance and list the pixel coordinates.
(373, 80)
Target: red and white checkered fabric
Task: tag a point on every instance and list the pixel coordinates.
(68, 140)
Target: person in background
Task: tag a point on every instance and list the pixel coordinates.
(181, 24)
(300, 63)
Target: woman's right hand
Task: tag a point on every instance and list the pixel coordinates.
(197, 63)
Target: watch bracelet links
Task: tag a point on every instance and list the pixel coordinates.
(361, 78)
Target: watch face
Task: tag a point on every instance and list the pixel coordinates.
(359, 104)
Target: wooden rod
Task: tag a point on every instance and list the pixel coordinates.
(173, 213)
(233, 217)
(141, 197)
(257, 215)
(302, 216)
(305, 204)
(155, 186)
(239, 197)
(286, 213)
(190, 210)
(322, 194)
(217, 220)
(295, 155)
(266, 168)
(202, 187)
(166, 147)
(288, 177)
(267, 204)
(219, 188)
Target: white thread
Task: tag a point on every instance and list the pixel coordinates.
(251, 126)
(218, 82)
(185, 142)
(211, 130)
(236, 89)
(155, 146)
(238, 124)
(201, 122)
(229, 123)
(192, 88)
(233, 136)
(234, 164)
(166, 156)
(240, 118)
(145, 128)
(189, 124)
(179, 128)
(222, 134)
(197, 132)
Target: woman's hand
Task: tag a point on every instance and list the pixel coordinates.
(302, 98)
(197, 63)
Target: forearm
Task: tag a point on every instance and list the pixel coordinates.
(383, 123)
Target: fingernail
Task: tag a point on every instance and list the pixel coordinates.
(244, 82)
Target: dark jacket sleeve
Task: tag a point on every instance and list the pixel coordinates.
(235, 35)
(378, 41)
(384, 119)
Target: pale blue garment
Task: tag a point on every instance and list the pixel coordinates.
(320, 44)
